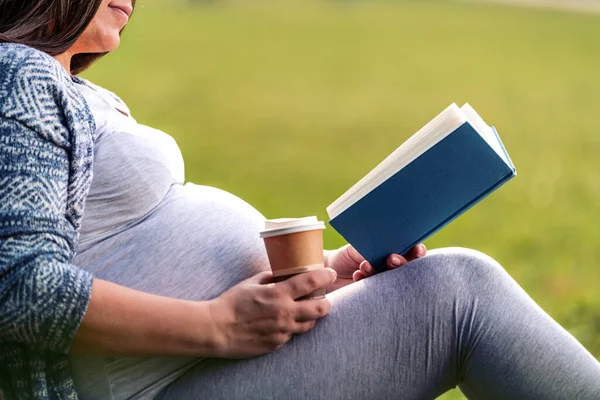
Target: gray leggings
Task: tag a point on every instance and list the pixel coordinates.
(452, 318)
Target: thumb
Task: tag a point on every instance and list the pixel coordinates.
(355, 255)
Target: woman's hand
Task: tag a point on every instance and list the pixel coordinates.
(257, 317)
(352, 267)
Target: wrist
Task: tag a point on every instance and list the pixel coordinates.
(208, 333)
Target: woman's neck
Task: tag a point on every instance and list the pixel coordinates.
(64, 59)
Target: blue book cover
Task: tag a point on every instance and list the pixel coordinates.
(424, 196)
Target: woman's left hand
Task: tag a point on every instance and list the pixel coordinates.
(352, 267)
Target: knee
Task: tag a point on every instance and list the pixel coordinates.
(460, 257)
(451, 269)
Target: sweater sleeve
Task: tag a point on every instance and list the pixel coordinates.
(43, 297)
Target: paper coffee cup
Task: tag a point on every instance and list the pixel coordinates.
(294, 246)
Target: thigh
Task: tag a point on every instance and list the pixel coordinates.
(385, 338)
(453, 317)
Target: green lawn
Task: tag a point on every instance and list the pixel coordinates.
(287, 104)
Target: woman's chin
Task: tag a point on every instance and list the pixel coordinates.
(105, 44)
(111, 44)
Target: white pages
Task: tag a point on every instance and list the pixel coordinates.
(441, 126)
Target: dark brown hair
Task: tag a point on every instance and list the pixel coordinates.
(51, 26)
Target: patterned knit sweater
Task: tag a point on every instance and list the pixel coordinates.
(45, 172)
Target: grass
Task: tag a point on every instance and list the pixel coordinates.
(287, 104)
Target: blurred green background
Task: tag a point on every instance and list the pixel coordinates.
(289, 103)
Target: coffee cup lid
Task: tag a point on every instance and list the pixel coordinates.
(285, 226)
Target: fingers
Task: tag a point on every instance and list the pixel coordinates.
(396, 260)
(311, 310)
(280, 339)
(306, 283)
(366, 269)
(416, 252)
(357, 276)
(261, 278)
(304, 327)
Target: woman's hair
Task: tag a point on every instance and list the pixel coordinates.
(51, 26)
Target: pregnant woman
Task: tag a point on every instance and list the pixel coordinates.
(118, 280)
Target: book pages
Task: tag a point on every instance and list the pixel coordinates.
(437, 129)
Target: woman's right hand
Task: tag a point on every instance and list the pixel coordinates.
(257, 317)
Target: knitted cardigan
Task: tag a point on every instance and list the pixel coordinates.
(46, 152)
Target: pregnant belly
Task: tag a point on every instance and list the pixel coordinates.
(196, 244)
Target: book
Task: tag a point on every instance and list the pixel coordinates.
(444, 169)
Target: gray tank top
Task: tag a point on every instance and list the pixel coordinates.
(141, 219)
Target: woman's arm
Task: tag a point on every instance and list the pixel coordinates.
(44, 151)
(252, 318)
(123, 321)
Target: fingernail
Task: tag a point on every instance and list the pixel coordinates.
(421, 250)
(396, 261)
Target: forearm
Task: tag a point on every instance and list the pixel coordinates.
(123, 321)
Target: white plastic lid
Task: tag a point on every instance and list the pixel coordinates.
(285, 226)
